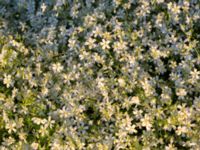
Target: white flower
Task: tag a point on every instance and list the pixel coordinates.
(175, 9)
(72, 43)
(7, 80)
(38, 121)
(126, 125)
(170, 147)
(50, 122)
(121, 45)
(181, 92)
(146, 122)
(11, 126)
(22, 136)
(121, 82)
(195, 74)
(34, 146)
(57, 67)
(8, 141)
(14, 92)
(105, 44)
(137, 113)
(43, 130)
(45, 91)
(135, 100)
(181, 130)
(97, 31)
(89, 20)
(63, 113)
(155, 53)
(90, 43)
(98, 58)
(43, 7)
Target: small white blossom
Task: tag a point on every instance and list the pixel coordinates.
(34, 145)
(146, 122)
(8, 80)
(105, 44)
(91, 43)
(11, 126)
(181, 92)
(43, 7)
(57, 67)
(135, 100)
(195, 74)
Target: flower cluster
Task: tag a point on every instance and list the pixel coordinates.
(99, 74)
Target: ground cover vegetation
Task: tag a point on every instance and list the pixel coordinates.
(100, 74)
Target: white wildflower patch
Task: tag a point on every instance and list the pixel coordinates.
(99, 74)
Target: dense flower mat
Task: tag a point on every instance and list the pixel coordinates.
(100, 74)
